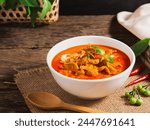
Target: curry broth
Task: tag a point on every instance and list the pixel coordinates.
(121, 63)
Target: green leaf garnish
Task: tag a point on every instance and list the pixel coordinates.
(34, 14)
(99, 50)
(139, 47)
(111, 60)
(33, 8)
(46, 7)
(28, 11)
(11, 4)
(30, 3)
(2, 2)
(88, 56)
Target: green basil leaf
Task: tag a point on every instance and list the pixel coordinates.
(30, 3)
(2, 2)
(46, 7)
(33, 11)
(11, 4)
(111, 60)
(98, 50)
(28, 10)
(101, 51)
(139, 47)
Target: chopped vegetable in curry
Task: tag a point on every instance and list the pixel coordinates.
(90, 62)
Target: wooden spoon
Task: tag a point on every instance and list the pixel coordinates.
(48, 101)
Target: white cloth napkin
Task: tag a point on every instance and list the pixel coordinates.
(137, 22)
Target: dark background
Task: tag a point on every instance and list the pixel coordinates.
(95, 7)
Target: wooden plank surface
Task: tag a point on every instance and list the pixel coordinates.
(23, 47)
(23, 36)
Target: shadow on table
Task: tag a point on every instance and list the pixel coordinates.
(119, 32)
(4, 27)
(22, 25)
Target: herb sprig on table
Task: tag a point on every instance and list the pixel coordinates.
(134, 96)
(140, 46)
(33, 8)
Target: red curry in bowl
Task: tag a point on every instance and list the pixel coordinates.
(90, 61)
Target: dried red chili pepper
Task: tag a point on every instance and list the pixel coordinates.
(142, 78)
(137, 70)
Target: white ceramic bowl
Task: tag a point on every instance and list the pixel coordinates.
(90, 89)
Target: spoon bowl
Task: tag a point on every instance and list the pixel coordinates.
(44, 100)
(48, 101)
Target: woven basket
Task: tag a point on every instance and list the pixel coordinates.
(19, 14)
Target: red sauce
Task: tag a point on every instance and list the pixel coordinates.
(119, 57)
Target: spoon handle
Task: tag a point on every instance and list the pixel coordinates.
(79, 108)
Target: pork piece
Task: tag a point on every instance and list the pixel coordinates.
(90, 70)
(80, 72)
(104, 69)
(111, 51)
(82, 61)
(82, 54)
(93, 61)
(103, 62)
(112, 69)
(69, 57)
(65, 57)
(71, 66)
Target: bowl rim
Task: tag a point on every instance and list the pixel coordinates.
(91, 80)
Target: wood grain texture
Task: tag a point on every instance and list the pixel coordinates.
(23, 47)
(23, 36)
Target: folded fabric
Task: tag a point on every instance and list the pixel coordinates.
(137, 22)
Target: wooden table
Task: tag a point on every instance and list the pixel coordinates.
(23, 47)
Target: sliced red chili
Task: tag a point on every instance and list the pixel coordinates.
(142, 78)
(97, 56)
(137, 70)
